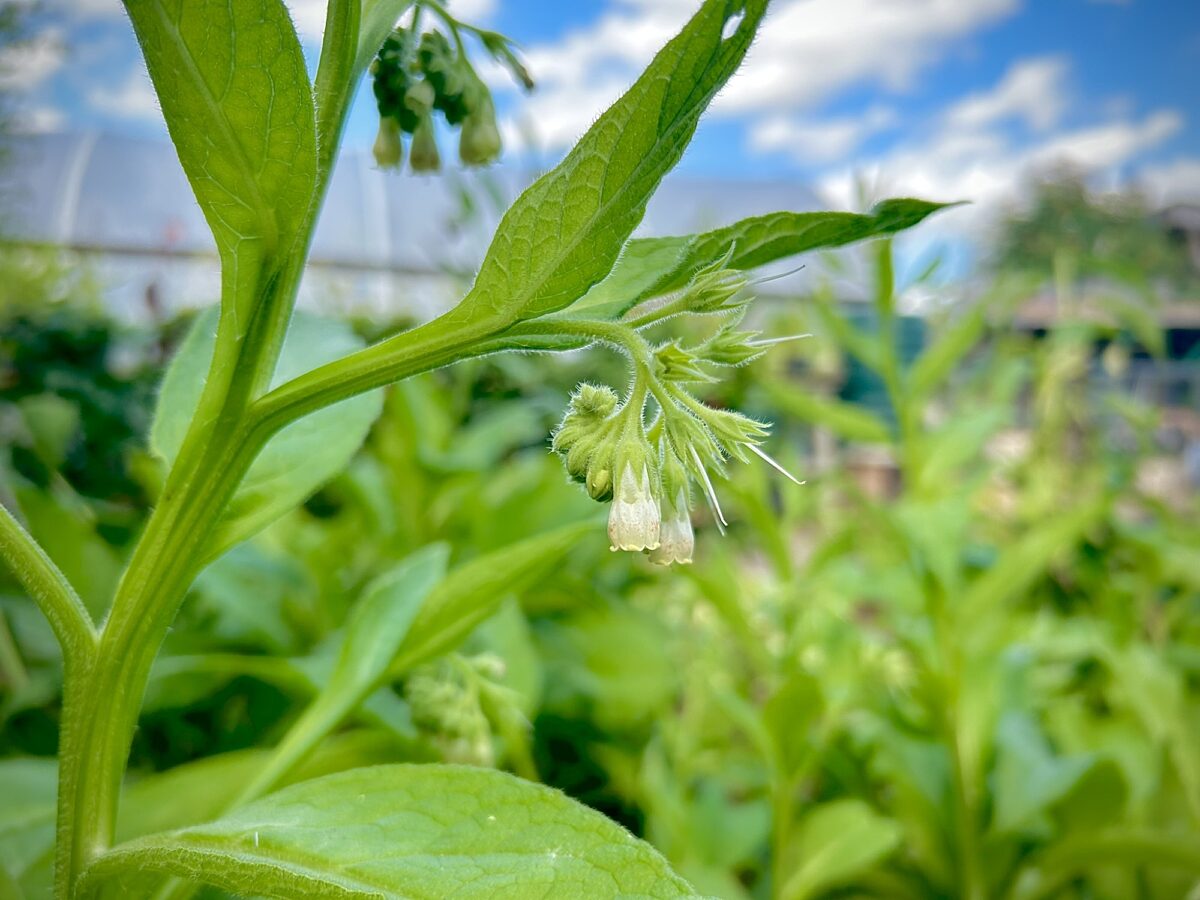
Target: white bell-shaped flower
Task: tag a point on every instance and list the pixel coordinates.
(676, 541)
(633, 522)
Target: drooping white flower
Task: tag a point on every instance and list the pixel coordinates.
(633, 522)
(677, 541)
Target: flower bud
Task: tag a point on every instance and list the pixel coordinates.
(716, 289)
(730, 348)
(677, 364)
(479, 143)
(388, 148)
(731, 429)
(599, 480)
(424, 157)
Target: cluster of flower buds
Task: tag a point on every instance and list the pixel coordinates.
(446, 703)
(415, 76)
(646, 470)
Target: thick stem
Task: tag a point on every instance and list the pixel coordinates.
(101, 700)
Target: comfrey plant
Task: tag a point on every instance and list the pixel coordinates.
(262, 405)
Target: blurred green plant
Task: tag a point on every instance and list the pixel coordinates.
(263, 404)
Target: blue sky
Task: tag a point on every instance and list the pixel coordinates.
(948, 99)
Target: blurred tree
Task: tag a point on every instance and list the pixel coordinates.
(1069, 230)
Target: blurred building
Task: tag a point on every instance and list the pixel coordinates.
(387, 244)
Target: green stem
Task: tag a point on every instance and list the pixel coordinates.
(101, 698)
(48, 587)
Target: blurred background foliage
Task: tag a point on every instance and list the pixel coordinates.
(962, 661)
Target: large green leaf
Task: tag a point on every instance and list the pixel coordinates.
(566, 230)
(299, 459)
(201, 790)
(835, 843)
(650, 267)
(400, 831)
(234, 90)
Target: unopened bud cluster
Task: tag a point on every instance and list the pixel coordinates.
(415, 77)
(445, 700)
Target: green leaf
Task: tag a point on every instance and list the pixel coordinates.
(299, 459)
(938, 360)
(473, 592)
(565, 231)
(29, 788)
(234, 90)
(201, 790)
(400, 831)
(835, 843)
(375, 630)
(1029, 777)
(1022, 563)
(382, 618)
(844, 419)
(66, 529)
(650, 267)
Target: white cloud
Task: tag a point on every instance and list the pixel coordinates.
(806, 52)
(809, 50)
(986, 167)
(133, 98)
(39, 119)
(27, 64)
(473, 11)
(820, 141)
(1177, 181)
(1033, 91)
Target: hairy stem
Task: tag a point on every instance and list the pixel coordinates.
(48, 587)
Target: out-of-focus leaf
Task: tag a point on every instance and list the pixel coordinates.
(473, 592)
(1113, 847)
(249, 594)
(1029, 777)
(299, 459)
(400, 831)
(835, 843)
(507, 635)
(790, 714)
(959, 442)
(53, 422)
(1022, 563)
(937, 360)
(29, 787)
(1156, 694)
(588, 670)
(844, 419)
(69, 537)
